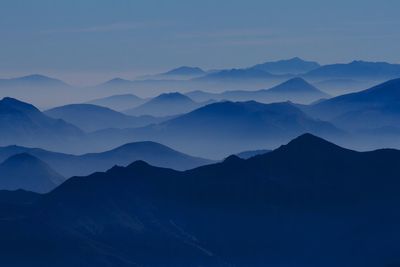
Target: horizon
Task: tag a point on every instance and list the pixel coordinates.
(87, 79)
(93, 41)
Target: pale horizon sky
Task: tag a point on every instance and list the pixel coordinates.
(93, 40)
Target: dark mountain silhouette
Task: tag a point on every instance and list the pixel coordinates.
(34, 80)
(357, 69)
(77, 165)
(252, 153)
(23, 124)
(229, 126)
(119, 102)
(23, 171)
(306, 203)
(166, 104)
(91, 117)
(289, 66)
(372, 108)
(296, 89)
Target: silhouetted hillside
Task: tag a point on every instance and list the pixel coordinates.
(301, 204)
(372, 108)
(23, 171)
(23, 124)
(78, 165)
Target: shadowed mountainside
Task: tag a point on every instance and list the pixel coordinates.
(301, 204)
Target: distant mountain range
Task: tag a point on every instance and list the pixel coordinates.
(180, 73)
(24, 171)
(185, 71)
(118, 102)
(305, 203)
(91, 117)
(227, 126)
(357, 70)
(237, 75)
(22, 123)
(293, 66)
(166, 104)
(295, 89)
(34, 80)
(372, 108)
(77, 165)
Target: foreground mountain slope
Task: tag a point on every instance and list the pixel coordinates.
(23, 171)
(298, 205)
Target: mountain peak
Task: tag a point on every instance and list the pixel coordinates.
(22, 157)
(233, 159)
(139, 164)
(12, 103)
(24, 171)
(185, 71)
(293, 65)
(296, 85)
(174, 96)
(310, 142)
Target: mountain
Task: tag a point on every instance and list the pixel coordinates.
(116, 83)
(372, 108)
(307, 203)
(166, 104)
(77, 165)
(237, 75)
(227, 126)
(178, 74)
(23, 171)
(357, 70)
(295, 89)
(22, 123)
(34, 80)
(289, 66)
(185, 71)
(91, 117)
(343, 86)
(252, 153)
(118, 102)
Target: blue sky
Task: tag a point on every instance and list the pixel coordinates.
(92, 40)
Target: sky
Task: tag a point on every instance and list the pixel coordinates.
(89, 41)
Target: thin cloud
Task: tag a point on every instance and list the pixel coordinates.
(120, 26)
